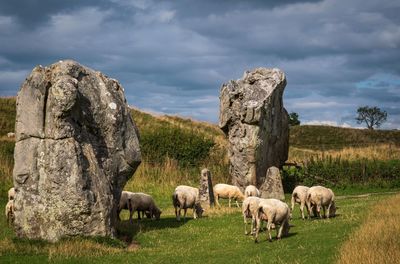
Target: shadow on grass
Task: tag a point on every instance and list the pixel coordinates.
(127, 231)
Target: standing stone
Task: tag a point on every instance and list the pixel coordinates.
(206, 192)
(272, 186)
(77, 146)
(256, 124)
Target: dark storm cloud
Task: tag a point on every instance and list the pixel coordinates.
(173, 56)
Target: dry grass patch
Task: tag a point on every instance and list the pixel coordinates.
(378, 239)
(372, 152)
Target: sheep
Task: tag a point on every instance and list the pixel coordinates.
(10, 211)
(10, 134)
(251, 190)
(11, 194)
(275, 212)
(299, 196)
(139, 202)
(249, 209)
(319, 196)
(222, 190)
(185, 197)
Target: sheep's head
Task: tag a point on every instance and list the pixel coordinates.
(332, 210)
(157, 213)
(199, 210)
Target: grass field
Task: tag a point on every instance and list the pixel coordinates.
(216, 238)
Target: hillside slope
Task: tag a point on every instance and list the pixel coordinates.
(300, 136)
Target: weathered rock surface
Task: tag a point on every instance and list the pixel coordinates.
(76, 148)
(206, 192)
(272, 186)
(256, 124)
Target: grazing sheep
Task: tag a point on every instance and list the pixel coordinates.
(275, 212)
(227, 191)
(299, 196)
(251, 190)
(10, 211)
(10, 134)
(317, 197)
(249, 210)
(140, 202)
(185, 197)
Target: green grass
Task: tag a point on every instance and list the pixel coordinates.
(215, 238)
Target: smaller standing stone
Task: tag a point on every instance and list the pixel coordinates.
(272, 186)
(206, 190)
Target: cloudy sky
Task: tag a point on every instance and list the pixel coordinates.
(173, 56)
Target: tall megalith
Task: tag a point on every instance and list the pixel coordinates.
(256, 124)
(76, 147)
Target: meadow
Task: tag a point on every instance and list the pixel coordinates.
(350, 161)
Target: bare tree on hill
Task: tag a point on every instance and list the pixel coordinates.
(372, 116)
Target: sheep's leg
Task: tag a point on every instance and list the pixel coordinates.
(184, 214)
(253, 225)
(258, 220)
(245, 223)
(329, 210)
(194, 213)
(302, 210)
(229, 202)
(179, 214)
(176, 212)
(279, 231)
(237, 204)
(269, 230)
(323, 208)
(130, 216)
(216, 199)
(309, 208)
(319, 211)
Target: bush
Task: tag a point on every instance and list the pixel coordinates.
(335, 172)
(186, 147)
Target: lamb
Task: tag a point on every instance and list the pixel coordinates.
(10, 211)
(319, 196)
(299, 196)
(251, 190)
(185, 197)
(274, 212)
(139, 202)
(249, 210)
(222, 190)
(10, 205)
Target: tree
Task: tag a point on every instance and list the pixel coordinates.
(372, 116)
(294, 119)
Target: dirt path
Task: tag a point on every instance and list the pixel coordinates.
(363, 195)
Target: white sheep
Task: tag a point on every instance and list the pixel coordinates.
(319, 196)
(10, 211)
(185, 197)
(11, 194)
(10, 134)
(140, 202)
(227, 191)
(299, 195)
(251, 190)
(275, 212)
(249, 210)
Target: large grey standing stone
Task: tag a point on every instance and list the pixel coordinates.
(272, 186)
(77, 146)
(206, 192)
(256, 124)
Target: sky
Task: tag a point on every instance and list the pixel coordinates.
(172, 57)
